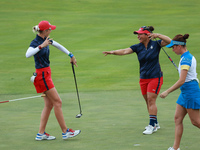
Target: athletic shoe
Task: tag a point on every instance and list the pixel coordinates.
(70, 133)
(44, 136)
(150, 129)
(157, 126)
(171, 148)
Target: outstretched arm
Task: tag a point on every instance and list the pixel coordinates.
(63, 49)
(119, 52)
(60, 47)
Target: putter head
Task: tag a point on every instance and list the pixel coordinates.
(78, 116)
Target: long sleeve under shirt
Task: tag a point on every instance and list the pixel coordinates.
(41, 57)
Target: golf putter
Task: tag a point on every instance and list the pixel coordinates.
(80, 114)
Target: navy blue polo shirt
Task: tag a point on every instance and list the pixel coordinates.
(148, 59)
(42, 57)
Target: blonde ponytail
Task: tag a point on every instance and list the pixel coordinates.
(36, 29)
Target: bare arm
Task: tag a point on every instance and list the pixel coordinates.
(119, 52)
(165, 39)
(177, 85)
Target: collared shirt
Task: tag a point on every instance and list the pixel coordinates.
(148, 59)
(188, 62)
(42, 57)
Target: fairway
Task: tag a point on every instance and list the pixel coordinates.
(114, 112)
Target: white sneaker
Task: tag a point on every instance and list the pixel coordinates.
(150, 129)
(70, 133)
(44, 136)
(157, 126)
(171, 148)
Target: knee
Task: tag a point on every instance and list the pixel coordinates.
(196, 123)
(151, 101)
(58, 102)
(177, 119)
(49, 106)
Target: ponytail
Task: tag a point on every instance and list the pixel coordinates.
(36, 29)
(181, 38)
(151, 28)
(186, 36)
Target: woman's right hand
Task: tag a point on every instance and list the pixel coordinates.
(46, 42)
(108, 52)
(164, 94)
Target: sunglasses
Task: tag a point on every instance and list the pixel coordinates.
(146, 28)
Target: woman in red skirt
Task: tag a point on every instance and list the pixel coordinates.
(39, 48)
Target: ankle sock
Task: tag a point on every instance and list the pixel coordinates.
(153, 120)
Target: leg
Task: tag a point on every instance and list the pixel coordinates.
(194, 116)
(151, 100)
(179, 116)
(153, 90)
(53, 96)
(152, 108)
(143, 87)
(45, 114)
(150, 88)
(145, 98)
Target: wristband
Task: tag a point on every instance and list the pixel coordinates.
(71, 55)
(39, 47)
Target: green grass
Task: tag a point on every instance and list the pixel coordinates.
(114, 112)
(111, 120)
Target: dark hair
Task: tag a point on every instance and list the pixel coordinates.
(181, 38)
(149, 28)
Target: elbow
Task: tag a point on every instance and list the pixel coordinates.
(181, 82)
(27, 56)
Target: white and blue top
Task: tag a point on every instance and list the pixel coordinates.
(190, 92)
(189, 63)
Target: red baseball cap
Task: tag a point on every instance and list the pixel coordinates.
(44, 25)
(141, 31)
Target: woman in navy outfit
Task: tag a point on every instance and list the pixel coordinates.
(39, 48)
(151, 77)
